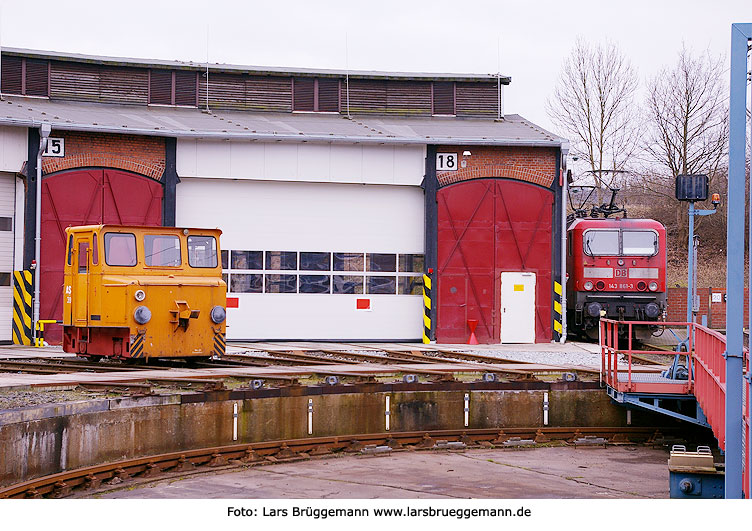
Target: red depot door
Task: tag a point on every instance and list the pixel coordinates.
(87, 197)
(486, 227)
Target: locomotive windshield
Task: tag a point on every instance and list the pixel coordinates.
(202, 251)
(120, 249)
(639, 242)
(161, 250)
(601, 242)
(620, 243)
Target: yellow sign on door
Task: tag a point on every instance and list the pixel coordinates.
(519, 287)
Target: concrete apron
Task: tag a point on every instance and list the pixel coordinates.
(40, 441)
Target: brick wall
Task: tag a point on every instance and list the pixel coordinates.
(535, 165)
(144, 155)
(716, 311)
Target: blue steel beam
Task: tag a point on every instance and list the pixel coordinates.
(740, 36)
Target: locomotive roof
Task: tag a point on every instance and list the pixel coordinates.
(86, 228)
(616, 223)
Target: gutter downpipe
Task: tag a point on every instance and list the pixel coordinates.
(44, 132)
(564, 189)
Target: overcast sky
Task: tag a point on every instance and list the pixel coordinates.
(395, 35)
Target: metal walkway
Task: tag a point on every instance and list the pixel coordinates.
(699, 398)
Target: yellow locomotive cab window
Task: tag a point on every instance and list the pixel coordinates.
(120, 249)
(70, 250)
(95, 250)
(162, 250)
(202, 251)
(83, 250)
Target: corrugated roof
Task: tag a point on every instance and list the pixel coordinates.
(254, 70)
(184, 122)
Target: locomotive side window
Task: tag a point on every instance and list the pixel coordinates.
(639, 243)
(95, 250)
(83, 250)
(601, 242)
(202, 251)
(162, 250)
(70, 250)
(120, 249)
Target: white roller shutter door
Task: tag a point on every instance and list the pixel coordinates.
(384, 221)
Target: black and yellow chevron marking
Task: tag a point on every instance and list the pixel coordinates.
(219, 344)
(426, 309)
(558, 328)
(137, 346)
(23, 287)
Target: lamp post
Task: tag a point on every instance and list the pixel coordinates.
(691, 188)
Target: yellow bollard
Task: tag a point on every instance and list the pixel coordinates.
(39, 339)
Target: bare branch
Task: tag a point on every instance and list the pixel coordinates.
(592, 104)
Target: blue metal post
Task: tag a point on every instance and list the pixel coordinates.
(690, 265)
(740, 35)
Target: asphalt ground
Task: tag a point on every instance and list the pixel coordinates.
(614, 472)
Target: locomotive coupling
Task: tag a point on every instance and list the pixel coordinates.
(183, 314)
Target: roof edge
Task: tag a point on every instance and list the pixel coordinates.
(249, 69)
(328, 139)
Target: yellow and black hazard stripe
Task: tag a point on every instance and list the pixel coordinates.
(426, 309)
(558, 328)
(23, 287)
(137, 346)
(219, 344)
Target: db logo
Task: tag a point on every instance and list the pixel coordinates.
(621, 273)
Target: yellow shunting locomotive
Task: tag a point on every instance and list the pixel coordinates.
(143, 292)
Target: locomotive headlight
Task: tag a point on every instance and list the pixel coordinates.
(620, 262)
(140, 295)
(588, 285)
(142, 315)
(218, 314)
(653, 286)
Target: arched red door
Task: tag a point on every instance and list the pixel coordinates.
(486, 227)
(87, 197)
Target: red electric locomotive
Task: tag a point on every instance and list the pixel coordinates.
(616, 266)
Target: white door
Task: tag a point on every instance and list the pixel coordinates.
(7, 242)
(517, 307)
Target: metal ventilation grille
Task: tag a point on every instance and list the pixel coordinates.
(302, 90)
(368, 96)
(269, 93)
(409, 98)
(328, 95)
(37, 77)
(477, 99)
(160, 87)
(185, 87)
(11, 75)
(443, 97)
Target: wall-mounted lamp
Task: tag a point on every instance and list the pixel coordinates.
(466, 153)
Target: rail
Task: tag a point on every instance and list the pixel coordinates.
(705, 372)
(87, 481)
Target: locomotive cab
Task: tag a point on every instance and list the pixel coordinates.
(143, 292)
(617, 269)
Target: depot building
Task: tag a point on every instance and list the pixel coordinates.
(335, 191)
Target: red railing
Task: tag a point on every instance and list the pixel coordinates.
(706, 374)
(618, 370)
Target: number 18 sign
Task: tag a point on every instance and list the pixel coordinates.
(446, 161)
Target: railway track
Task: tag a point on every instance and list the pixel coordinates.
(86, 481)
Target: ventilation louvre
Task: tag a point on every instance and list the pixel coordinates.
(160, 87)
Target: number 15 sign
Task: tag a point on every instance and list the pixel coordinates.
(55, 147)
(446, 161)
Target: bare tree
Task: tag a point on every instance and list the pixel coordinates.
(593, 106)
(687, 111)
